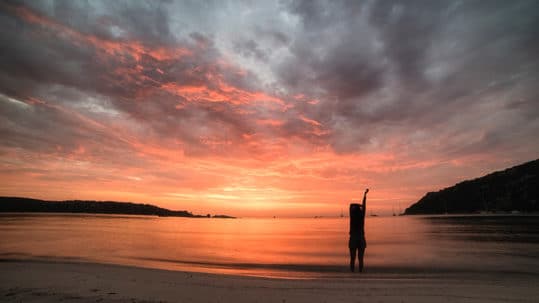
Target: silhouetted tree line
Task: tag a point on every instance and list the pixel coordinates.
(515, 188)
(15, 204)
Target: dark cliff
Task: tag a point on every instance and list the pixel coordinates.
(515, 188)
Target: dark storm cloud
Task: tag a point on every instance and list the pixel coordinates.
(415, 65)
(250, 48)
(140, 70)
(76, 52)
(147, 21)
(48, 52)
(277, 37)
(53, 130)
(408, 31)
(376, 76)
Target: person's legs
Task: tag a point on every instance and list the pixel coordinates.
(360, 254)
(352, 258)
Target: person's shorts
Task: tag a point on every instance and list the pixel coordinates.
(357, 242)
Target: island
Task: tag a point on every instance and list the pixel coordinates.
(514, 190)
(18, 204)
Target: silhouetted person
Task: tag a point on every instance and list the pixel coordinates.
(357, 242)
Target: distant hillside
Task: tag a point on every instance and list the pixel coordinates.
(15, 204)
(515, 188)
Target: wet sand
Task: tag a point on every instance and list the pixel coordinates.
(43, 281)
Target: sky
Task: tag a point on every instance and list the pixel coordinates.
(263, 108)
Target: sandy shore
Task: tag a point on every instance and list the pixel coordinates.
(38, 281)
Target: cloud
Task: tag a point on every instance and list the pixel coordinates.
(209, 92)
(410, 66)
(184, 88)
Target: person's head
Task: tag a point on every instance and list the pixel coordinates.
(355, 209)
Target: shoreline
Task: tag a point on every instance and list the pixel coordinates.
(52, 281)
(280, 271)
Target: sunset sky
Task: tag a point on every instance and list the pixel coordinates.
(262, 108)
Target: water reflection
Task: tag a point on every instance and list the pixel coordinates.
(492, 228)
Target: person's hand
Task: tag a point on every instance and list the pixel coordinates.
(366, 191)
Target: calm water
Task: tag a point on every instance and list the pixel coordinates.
(276, 247)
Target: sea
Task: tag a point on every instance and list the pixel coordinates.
(294, 248)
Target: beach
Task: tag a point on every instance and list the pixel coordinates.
(54, 281)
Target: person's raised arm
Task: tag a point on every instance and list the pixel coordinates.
(365, 201)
